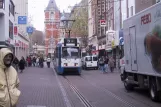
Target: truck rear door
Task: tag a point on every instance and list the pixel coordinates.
(133, 51)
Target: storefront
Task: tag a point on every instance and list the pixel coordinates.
(102, 51)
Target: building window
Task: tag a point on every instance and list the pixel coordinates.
(104, 42)
(127, 12)
(11, 8)
(10, 29)
(1, 4)
(131, 10)
(52, 15)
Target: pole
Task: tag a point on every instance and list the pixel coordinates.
(52, 38)
(69, 33)
(120, 15)
(105, 17)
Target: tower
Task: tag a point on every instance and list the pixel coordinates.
(52, 19)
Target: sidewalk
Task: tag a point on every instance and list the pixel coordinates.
(39, 88)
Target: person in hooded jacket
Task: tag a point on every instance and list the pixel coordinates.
(9, 81)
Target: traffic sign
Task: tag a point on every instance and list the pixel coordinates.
(121, 38)
(22, 19)
(103, 23)
(30, 29)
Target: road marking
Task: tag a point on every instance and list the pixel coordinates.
(66, 100)
(35, 106)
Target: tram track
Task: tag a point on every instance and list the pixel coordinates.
(81, 97)
(115, 96)
(108, 92)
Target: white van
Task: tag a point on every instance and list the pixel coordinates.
(90, 62)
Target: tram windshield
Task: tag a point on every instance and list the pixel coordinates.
(70, 52)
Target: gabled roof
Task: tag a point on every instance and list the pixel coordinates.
(52, 4)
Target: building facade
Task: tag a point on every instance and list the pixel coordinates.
(7, 23)
(21, 40)
(92, 26)
(52, 21)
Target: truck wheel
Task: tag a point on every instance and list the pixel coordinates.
(128, 87)
(86, 67)
(154, 94)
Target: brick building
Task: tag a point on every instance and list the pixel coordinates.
(52, 21)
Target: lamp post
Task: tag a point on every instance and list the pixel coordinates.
(35, 48)
(67, 24)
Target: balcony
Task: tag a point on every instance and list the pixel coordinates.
(2, 7)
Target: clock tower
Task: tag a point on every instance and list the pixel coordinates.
(52, 19)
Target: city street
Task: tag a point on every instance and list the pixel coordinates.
(43, 88)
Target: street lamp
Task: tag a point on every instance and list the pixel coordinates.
(35, 48)
(67, 24)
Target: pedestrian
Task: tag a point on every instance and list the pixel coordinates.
(22, 64)
(15, 63)
(37, 61)
(48, 61)
(9, 81)
(29, 61)
(111, 63)
(41, 61)
(101, 64)
(106, 64)
(34, 61)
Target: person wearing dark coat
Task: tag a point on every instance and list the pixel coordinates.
(22, 64)
(15, 63)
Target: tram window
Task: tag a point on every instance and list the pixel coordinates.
(57, 52)
(95, 58)
(88, 58)
(70, 52)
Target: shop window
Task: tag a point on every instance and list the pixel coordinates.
(11, 8)
(10, 29)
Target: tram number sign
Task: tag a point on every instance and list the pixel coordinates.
(70, 41)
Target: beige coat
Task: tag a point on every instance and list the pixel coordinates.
(9, 82)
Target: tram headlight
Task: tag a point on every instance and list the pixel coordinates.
(76, 64)
(65, 64)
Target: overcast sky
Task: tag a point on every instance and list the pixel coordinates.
(36, 10)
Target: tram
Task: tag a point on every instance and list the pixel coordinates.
(68, 56)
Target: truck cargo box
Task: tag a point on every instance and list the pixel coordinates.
(142, 42)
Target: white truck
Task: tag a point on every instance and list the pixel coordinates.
(142, 50)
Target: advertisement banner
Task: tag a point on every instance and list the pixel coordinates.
(15, 30)
(102, 23)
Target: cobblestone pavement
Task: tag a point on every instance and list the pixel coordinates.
(41, 87)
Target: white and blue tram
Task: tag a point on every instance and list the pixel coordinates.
(68, 56)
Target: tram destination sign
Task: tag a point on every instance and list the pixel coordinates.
(70, 41)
